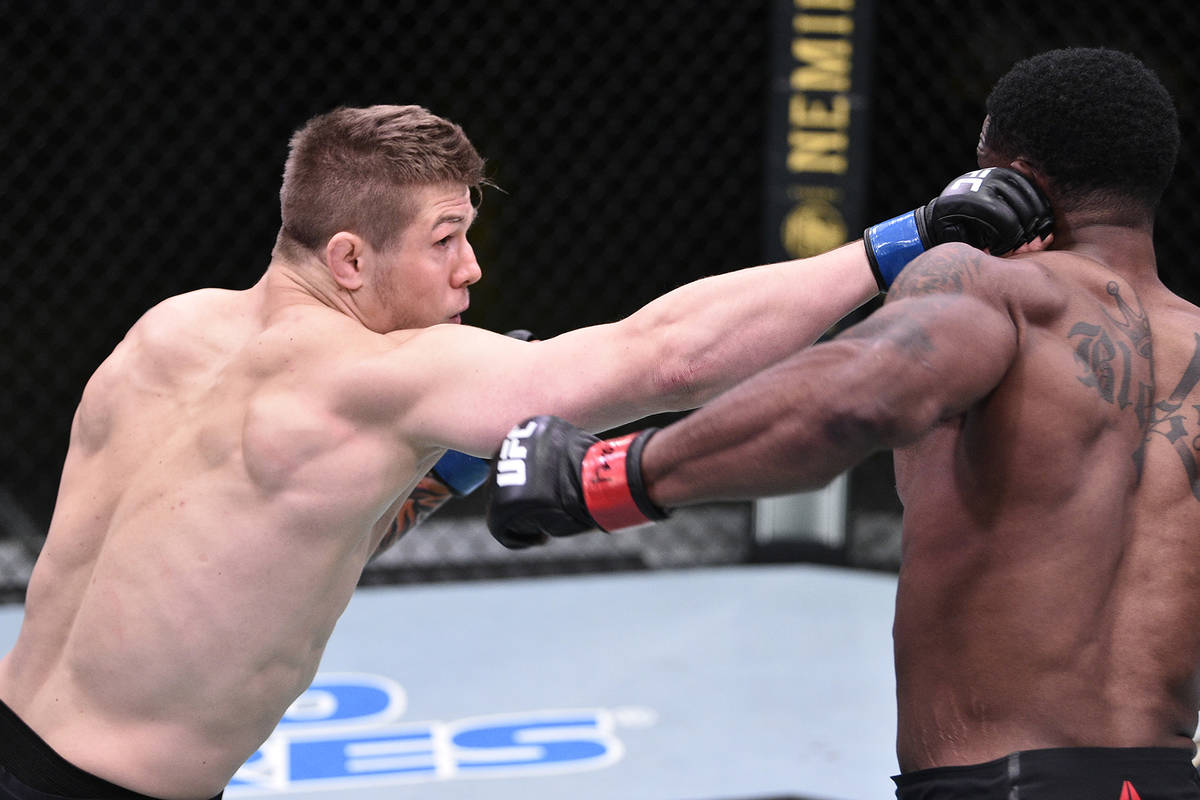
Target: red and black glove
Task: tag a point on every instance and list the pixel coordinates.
(554, 479)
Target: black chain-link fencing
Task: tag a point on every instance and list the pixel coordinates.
(143, 144)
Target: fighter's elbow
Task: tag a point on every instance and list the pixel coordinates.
(684, 374)
(693, 362)
(880, 421)
(679, 385)
(691, 377)
(858, 429)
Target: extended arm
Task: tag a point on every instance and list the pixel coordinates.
(675, 353)
(936, 348)
(689, 345)
(942, 342)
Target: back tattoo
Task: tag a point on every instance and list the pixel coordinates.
(1115, 356)
(1114, 368)
(1170, 421)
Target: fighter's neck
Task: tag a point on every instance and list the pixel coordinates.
(1122, 248)
(287, 285)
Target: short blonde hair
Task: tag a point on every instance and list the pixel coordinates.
(348, 170)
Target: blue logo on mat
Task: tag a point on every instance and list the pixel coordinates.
(343, 733)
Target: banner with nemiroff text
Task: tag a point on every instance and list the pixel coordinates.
(817, 125)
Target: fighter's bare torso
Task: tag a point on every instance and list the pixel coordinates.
(221, 440)
(1049, 587)
(237, 459)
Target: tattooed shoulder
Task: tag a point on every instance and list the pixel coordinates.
(943, 270)
(908, 332)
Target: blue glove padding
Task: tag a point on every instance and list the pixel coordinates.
(891, 245)
(995, 209)
(461, 472)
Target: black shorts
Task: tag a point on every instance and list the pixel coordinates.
(30, 769)
(1069, 773)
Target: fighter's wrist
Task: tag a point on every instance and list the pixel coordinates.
(614, 491)
(893, 243)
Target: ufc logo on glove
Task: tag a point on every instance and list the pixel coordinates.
(970, 182)
(510, 470)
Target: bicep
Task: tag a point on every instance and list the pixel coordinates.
(468, 386)
(932, 357)
(882, 384)
(946, 317)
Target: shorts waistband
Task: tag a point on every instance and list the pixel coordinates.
(1044, 769)
(26, 757)
(1026, 759)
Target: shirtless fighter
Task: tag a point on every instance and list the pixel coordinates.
(241, 454)
(1043, 413)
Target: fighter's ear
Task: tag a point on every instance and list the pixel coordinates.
(1035, 176)
(344, 254)
(1032, 173)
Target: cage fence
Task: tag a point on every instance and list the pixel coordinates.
(144, 143)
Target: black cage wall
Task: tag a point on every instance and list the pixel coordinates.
(143, 144)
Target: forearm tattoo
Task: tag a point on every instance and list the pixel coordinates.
(427, 497)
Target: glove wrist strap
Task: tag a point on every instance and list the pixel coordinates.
(891, 244)
(462, 473)
(613, 491)
(633, 472)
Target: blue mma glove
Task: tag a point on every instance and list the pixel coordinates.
(994, 209)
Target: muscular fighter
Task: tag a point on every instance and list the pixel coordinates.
(1043, 414)
(240, 455)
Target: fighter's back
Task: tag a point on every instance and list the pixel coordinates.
(199, 457)
(1048, 582)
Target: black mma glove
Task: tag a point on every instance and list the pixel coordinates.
(995, 209)
(554, 479)
(464, 473)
